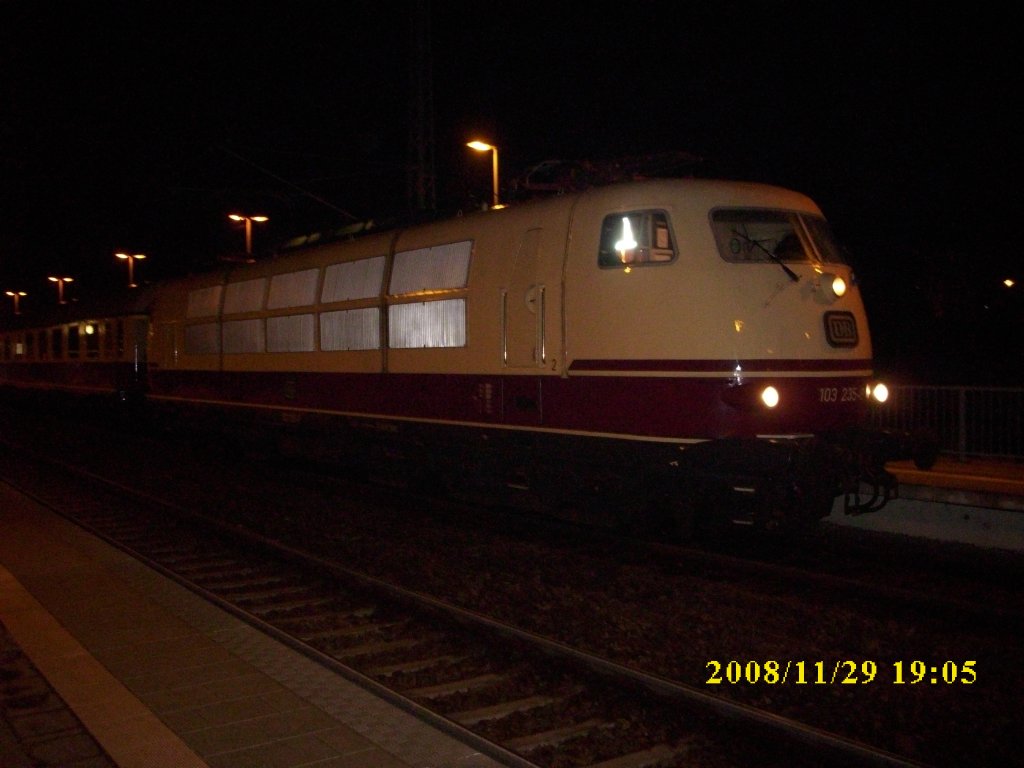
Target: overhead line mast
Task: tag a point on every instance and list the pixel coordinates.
(422, 175)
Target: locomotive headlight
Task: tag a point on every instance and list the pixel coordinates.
(832, 285)
(879, 392)
(770, 396)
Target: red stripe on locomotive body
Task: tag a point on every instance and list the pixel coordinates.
(658, 408)
(717, 367)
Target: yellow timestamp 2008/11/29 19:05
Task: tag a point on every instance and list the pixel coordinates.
(841, 672)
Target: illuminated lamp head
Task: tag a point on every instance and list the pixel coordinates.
(770, 396)
(832, 285)
(877, 392)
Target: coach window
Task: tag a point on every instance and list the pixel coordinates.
(30, 346)
(108, 339)
(57, 343)
(73, 339)
(636, 237)
(92, 340)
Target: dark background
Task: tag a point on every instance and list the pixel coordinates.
(139, 126)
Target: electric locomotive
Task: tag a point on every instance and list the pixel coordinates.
(671, 351)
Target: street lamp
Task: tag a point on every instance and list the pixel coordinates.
(248, 228)
(16, 296)
(483, 146)
(60, 286)
(131, 259)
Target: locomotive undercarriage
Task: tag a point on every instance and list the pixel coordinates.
(637, 486)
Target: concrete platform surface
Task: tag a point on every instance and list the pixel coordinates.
(135, 671)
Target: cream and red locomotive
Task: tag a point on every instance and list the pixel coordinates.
(674, 350)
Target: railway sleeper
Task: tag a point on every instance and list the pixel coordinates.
(194, 566)
(454, 686)
(239, 583)
(471, 717)
(373, 649)
(647, 758)
(553, 737)
(415, 665)
(339, 619)
(265, 592)
(357, 632)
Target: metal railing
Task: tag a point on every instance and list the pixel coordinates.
(967, 421)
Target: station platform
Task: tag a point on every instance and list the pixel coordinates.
(996, 482)
(978, 502)
(106, 664)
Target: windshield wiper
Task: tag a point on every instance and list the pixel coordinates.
(771, 255)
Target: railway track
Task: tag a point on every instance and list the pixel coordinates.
(523, 699)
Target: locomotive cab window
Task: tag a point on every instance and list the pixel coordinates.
(637, 237)
(748, 235)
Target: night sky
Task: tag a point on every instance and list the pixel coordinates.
(139, 126)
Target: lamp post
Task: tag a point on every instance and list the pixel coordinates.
(483, 146)
(248, 228)
(60, 286)
(16, 296)
(131, 259)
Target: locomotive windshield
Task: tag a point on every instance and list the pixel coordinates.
(757, 235)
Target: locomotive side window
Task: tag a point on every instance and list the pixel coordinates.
(359, 327)
(202, 339)
(204, 302)
(431, 269)
(353, 280)
(243, 336)
(246, 296)
(293, 289)
(427, 324)
(638, 237)
(291, 333)
(350, 329)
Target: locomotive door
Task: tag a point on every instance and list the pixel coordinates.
(523, 311)
(523, 334)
